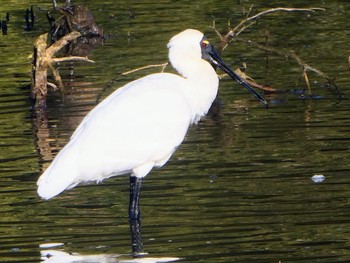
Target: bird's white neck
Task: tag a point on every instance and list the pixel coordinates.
(203, 82)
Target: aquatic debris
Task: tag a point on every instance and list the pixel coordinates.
(318, 178)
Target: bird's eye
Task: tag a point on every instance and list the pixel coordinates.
(204, 43)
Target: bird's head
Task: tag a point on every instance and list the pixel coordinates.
(192, 43)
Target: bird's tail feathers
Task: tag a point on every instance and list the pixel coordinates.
(61, 175)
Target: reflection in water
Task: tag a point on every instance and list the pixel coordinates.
(57, 256)
(42, 133)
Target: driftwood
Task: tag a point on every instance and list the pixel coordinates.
(43, 60)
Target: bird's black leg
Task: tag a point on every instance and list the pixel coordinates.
(135, 216)
(134, 204)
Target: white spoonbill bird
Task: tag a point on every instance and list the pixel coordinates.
(140, 125)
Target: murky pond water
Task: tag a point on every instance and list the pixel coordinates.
(238, 189)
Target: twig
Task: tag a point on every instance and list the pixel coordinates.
(251, 20)
(55, 47)
(248, 21)
(52, 85)
(306, 78)
(253, 83)
(111, 83)
(219, 34)
(287, 9)
(72, 58)
(284, 53)
(272, 10)
(57, 78)
(146, 67)
(291, 54)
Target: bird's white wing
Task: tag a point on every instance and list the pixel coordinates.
(137, 127)
(141, 124)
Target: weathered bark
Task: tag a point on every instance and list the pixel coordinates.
(43, 59)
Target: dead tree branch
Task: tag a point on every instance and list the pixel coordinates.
(72, 58)
(43, 60)
(232, 35)
(287, 54)
(163, 66)
(251, 20)
(277, 9)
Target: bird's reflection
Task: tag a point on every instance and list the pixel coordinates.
(59, 256)
(55, 256)
(54, 252)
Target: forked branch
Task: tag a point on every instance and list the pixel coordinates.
(249, 20)
(43, 60)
